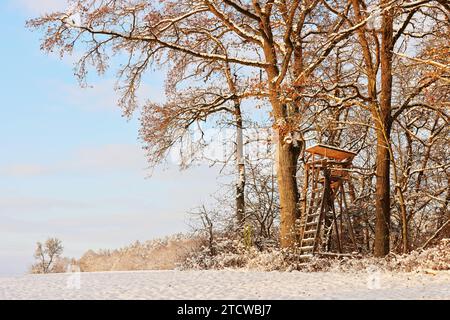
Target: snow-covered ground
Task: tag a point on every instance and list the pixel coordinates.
(227, 285)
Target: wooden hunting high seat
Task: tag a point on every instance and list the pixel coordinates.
(326, 170)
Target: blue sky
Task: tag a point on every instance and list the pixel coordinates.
(70, 166)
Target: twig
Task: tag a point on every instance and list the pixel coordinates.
(435, 235)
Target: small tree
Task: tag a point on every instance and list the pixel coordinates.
(46, 255)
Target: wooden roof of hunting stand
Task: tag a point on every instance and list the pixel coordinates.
(331, 152)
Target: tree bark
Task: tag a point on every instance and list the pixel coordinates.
(383, 119)
(382, 200)
(240, 161)
(287, 158)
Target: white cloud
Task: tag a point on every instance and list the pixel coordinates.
(37, 7)
(25, 204)
(108, 214)
(100, 95)
(106, 158)
(23, 170)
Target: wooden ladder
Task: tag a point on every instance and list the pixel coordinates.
(311, 227)
(310, 230)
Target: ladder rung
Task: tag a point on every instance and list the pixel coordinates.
(308, 240)
(309, 232)
(311, 223)
(305, 248)
(305, 256)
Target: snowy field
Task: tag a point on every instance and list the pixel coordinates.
(227, 285)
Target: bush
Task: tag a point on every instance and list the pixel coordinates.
(237, 254)
(234, 254)
(434, 258)
(159, 254)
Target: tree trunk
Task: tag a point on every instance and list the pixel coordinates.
(404, 218)
(383, 121)
(287, 158)
(240, 161)
(382, 200)
(445, 212)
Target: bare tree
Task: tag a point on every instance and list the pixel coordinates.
(275, 46)
(46, 255)
(380, 43)
(322, 68)
(188, 107)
